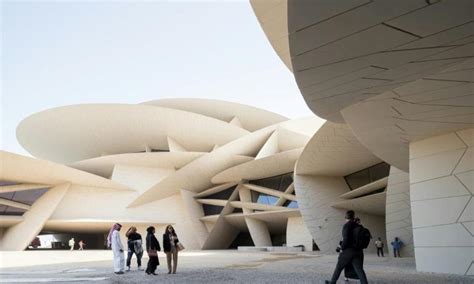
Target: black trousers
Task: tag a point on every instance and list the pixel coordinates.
(350, 256)
(153, 262)
(129, 257)
(380, 251)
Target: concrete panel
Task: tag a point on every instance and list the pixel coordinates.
(455, 260)
(433, 166)
(467, 136)
(314, 194)
(452, 235)
(443, 187)
(468, 213)
(467, 161)
(443, 226)
(421, 22)
(467, 179)
(428, 213)
(298, 234)
(443, 143)
(469, 226)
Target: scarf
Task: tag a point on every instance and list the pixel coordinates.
(116, 226)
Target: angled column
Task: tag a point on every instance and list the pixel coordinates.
(20, 235)
(258, 229)
(195, 213)
(442, 207)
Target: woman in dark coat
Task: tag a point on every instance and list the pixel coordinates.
(152, 248)
(170, 247)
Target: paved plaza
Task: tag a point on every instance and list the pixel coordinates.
(207, 267)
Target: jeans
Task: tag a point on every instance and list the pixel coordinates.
(350, 256)
(129, 258)
(396, 252)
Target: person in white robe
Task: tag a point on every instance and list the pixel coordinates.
(114, 242)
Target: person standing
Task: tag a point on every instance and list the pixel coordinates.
(152, 248)
(114, 242)
(379, 245)
(396, 245)
(170, 247)
(134, 243)
(72, 242)
(350, 254)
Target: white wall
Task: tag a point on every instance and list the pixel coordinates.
(398, 212)
(298, 234)
(314, 194)
(441, 190)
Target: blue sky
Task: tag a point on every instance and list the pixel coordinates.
(61, 53)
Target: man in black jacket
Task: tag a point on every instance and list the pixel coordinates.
(350, 255)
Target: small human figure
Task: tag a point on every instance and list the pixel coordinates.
(379, 245)
(114, 242)
(72, 242)
(81, 245)
(396, 245)
(134, 243)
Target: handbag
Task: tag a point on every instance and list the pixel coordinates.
(137, 246)
(152, 252)
(179, 246)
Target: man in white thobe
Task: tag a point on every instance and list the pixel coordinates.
(117, 249)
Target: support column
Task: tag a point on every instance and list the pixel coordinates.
(258, 229)
(195, 212)
(19, 236)
(441, 191)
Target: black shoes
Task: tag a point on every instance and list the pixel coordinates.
(149, 273)
(120, 272)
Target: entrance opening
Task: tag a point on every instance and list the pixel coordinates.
(61, 240)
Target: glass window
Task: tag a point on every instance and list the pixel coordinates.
(368, 175)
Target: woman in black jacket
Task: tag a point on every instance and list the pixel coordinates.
(170, 247)
(152, 248)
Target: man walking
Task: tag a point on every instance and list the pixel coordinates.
(350, 255)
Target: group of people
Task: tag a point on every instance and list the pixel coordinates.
(396, 245)
(171, 246)
(351, 254)
(72, 242)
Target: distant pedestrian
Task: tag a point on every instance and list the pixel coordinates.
(152, 249)
(171, 246)
(72, 242)
(351, 254)
(396, 245)
(81, 245)
(379, 245)
(134, 247)
(114, 242)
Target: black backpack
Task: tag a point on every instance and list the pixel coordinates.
(361, 237)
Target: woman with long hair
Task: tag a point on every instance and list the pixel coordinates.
(152, 248)
(170, 247)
